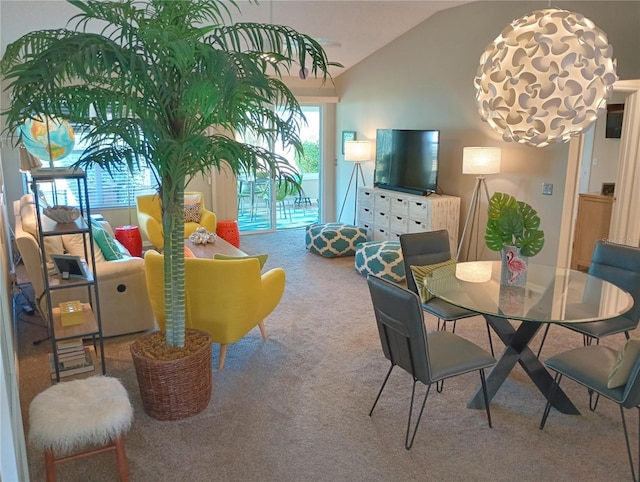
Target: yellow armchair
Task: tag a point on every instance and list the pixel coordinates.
(150, 218)
(225, 298)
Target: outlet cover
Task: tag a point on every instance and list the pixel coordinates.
(547, 189)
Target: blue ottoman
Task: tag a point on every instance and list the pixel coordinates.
(334, 239)
(381, 258)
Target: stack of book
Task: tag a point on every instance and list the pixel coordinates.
(73, 358)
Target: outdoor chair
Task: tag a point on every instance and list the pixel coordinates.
(605, 371)
(429, 248)
(427, 357)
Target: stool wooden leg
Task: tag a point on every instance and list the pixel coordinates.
(50, 465)
(123, 468)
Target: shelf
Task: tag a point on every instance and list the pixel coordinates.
(52, 173)
(52, 228)
(88, 327)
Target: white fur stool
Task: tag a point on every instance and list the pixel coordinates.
(66, 417)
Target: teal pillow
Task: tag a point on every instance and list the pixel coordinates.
(105, 242)
(262, 258)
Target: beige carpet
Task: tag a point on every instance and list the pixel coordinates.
(295, 407)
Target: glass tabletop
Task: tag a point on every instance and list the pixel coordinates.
(551, 294)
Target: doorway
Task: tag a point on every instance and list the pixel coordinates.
(265, 205)
(625, 223)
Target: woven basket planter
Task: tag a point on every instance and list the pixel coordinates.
(174, 389)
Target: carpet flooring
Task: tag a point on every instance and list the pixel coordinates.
(295, 407)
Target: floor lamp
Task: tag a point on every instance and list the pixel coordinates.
(356, 152)
(478, 161)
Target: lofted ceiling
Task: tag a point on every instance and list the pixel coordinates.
(349, 30)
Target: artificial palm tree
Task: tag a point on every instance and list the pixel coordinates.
(167, 83)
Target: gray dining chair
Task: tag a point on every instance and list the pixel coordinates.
(620, 265)
(420, 249)
(427, 357)
(593, 366)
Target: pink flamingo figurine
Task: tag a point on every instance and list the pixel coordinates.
(515, 265)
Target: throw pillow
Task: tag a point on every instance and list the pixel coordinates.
(262, 258)
(622, 367)
(192, 213)
(422, 274)
(105, 241)
(74, 245)
(188, 253)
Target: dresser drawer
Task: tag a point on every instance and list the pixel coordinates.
(380, 234)
(399, 223)
(365, 199)
(417, 226)
(381, 219)
(382, 202)
(365, 215)
(420, 211)
(399, 206)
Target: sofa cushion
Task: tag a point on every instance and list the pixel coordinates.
(52, 244)
(74, 245)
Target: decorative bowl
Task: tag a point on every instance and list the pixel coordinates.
(62, 214)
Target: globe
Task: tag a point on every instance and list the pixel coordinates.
(50, 140)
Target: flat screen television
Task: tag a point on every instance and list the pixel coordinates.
(407, 160)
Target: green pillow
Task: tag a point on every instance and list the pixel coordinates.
(262, 258)
(105, 242)
(422, 274)
(622, 368)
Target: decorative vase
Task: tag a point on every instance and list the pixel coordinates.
(173, 389)
(514, 267)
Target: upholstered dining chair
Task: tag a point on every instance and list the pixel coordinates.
(429, 248)
(620, 265)
(427, 357)
(605, 371)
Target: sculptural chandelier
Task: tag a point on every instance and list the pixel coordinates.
(545, 78)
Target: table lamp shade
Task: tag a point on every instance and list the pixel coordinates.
(357, 151)
(481, 160)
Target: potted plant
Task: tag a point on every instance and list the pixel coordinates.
(513, 229)
(170, 84)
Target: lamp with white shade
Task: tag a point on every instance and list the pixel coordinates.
(480, 161)
(356, 152)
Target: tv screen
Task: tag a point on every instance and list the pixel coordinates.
(407, 160)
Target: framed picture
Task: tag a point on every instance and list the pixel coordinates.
(608, 188)
(347, 136)
(69, 266)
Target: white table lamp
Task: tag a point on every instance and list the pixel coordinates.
(356, 152)
(479, 161)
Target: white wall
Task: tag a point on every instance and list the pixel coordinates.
(424, 80)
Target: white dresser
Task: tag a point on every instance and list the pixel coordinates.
(388, 214)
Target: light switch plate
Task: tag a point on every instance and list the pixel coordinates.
(547, 189)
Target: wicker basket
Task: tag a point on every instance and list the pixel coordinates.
(174, 389)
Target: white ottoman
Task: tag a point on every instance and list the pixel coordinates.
(381, 258)
(70, 416)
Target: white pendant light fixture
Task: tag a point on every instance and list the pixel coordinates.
(545, 78)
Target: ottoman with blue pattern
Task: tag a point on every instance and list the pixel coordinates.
(334, 239)
(381, 258)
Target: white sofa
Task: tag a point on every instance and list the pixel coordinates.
(122, 289)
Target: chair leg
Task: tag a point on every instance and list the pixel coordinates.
(263, 330)
(544, 337)
(486, 397)
(50, 465)
(439, 386)
(593, 404)
(626, 438)
(123, 468)
(381, 388)
(409, 443)
(552, 392)
(223, 355)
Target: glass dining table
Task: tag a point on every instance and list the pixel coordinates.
(550, 295)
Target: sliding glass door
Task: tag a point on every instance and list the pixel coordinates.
(265, 205)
